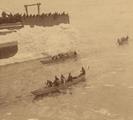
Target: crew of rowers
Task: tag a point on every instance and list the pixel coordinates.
(61, 55)
(123, 40)
(62, 79)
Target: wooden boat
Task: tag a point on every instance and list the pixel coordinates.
(59, 57)
(47, 90)
(123, 40)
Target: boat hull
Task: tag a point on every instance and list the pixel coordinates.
(66, 56)
(8, 49)
(47, 90)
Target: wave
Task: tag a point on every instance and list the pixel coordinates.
(34, 41)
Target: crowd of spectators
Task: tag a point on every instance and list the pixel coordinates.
(13, 18)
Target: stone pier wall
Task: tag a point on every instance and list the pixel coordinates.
(46, 20)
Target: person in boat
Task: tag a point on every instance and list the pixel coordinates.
(62, 79)
(56, 78)
(123, 39)
(70, 78)
(56, 81)
(54, 58)
(75, 53)
(49, 83)
(60, 55)
(82, 72)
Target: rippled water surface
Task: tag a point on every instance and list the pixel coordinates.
(107, 92)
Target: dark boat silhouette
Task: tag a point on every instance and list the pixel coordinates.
(59, 57)
(8, 49)
(46, 90)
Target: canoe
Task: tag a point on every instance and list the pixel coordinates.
(59, 57)
(47, 90)
(123, 40)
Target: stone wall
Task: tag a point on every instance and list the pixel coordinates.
(46, 20)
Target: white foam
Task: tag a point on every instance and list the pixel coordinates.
(88, 87)
(20, 58)
(31, 41)
(9, 113)
(109, 85)
(33, 119)
(113, 72)
(83, 93)
(103, 112)
(131, 87)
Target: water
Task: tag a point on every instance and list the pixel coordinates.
(107, 92)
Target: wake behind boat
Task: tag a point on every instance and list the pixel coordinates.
(51, 87)
(59, 57)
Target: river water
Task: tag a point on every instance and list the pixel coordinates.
(107, 92)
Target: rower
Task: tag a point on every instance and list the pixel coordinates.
(75, 53)
(56, 81)
(56, 78)
(83, 70)
(62, 79)
(70, 77)
(49, 83)
(61, 55)
(54, 58)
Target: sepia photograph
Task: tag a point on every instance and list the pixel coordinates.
(66, 60)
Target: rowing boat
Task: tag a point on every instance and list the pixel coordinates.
(59, 57)
(47, 90)
(123, 40)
